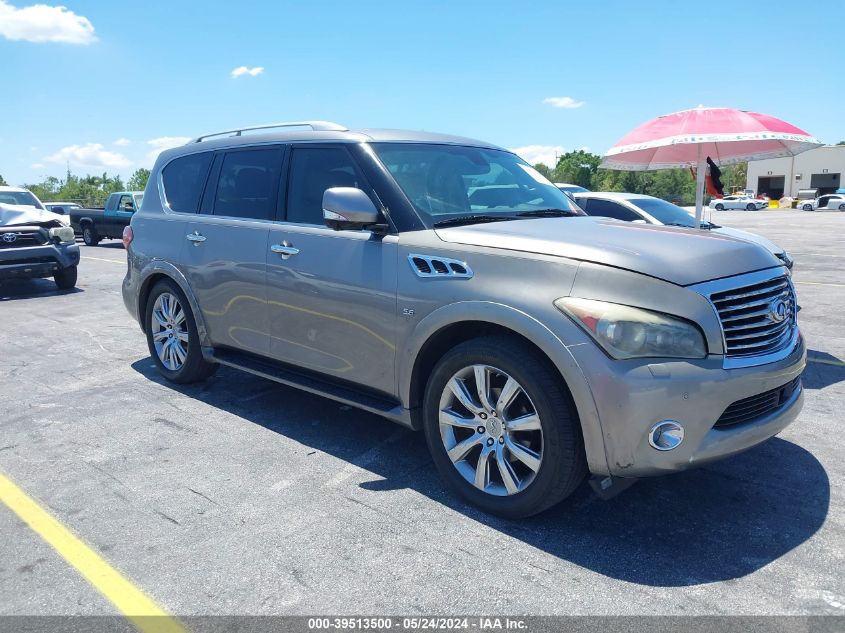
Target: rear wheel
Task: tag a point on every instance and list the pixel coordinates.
(172, 335)
(502, 429)
(89, 235)
(65, 278)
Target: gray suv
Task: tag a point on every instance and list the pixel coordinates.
(443, 283)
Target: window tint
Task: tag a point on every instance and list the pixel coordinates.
(248, 183)
(608, 209)
(312, 171)
(184, 179)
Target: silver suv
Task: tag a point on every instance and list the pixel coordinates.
(443, 283)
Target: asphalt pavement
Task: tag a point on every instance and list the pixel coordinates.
(241, 496)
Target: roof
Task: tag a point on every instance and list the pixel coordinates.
(613, 195)
(321, 131)
(7, 188)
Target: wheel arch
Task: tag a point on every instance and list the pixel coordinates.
(451, 325)
(158, 271)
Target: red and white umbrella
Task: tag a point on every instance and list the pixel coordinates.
(687, 138)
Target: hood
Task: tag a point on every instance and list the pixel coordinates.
(20, 214)
(681, 256)
(751, 237)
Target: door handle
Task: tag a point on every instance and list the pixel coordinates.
(284, 249)
(196, 238)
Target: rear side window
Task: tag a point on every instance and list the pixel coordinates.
(312, 171)
(184, 179)
(248, 184)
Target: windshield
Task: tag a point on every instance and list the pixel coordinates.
(444, 181)
(664, 212)
(20, 197)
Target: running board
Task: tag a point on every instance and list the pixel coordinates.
(313, 383)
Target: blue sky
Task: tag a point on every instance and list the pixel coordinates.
(127, 79)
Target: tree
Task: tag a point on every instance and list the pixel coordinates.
(577, 168)
(3, 182)
(841, 143)
(138, 180)
(544, 169)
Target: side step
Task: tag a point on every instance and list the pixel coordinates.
(314, 383)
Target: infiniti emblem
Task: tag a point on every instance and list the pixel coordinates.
(10, 237)
(778, 310)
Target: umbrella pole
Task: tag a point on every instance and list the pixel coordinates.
(699, 188)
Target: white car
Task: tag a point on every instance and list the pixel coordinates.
(635, 207)
(17, 197)
(738, 202)
(830, 201)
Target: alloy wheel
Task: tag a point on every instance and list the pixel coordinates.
(491, 430)
(169, 331)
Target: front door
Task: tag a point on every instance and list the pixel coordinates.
(224, 256)
(121, 216)
(331, 294)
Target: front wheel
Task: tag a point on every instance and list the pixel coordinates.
(750, 207)
(65, 278)
(172, 335)
(720, 207)
(502, 428)
(807, 207)
(842, 207)
(89, 235)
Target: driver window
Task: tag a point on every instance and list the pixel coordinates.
(124, 200)
(312, 171)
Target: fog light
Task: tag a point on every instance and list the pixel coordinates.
(666, 435)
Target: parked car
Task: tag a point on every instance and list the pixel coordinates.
(833, 201)
(97, 224)
(567, 188)
(738, 202)
(63, 209)
(35, 242)
(633, 207)
(532, 345)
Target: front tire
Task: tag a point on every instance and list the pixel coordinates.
(89, 235)
(720, 207)
(842, 207)
(807, 207)
(502, 428)
(750, 207)
(172, 335)
(65, 278)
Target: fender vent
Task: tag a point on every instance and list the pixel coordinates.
(425, 266)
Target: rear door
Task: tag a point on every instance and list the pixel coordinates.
(224, 256)
(332, 294)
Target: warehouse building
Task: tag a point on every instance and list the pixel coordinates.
(821, 168)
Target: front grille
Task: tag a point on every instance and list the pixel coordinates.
(749, 409)
(756, 319)
(22, 238)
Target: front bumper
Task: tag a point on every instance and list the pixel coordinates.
(37, 261)
(633, 396)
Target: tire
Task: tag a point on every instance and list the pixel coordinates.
(842, 207)
(807, 207)
(552, 445)
(89, 235)
(720, 207)
(183, 362)
(750, 207)
(65, 278)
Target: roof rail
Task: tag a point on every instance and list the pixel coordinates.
(317, 126)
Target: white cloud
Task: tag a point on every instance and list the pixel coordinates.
(243, 70)
(90, 154)
(122, 142)
(43, 23)
(545, 154)
(37, 165)
(164, 142)
(563, 102)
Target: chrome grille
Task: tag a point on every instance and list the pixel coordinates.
(758, 318)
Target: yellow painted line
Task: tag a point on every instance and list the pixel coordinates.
(824, 361)
(101, 259)
(818, 283)
(145, 614)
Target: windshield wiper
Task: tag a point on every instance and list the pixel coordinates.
(548, 213)
(472, 219)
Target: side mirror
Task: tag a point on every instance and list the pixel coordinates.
(349, 208)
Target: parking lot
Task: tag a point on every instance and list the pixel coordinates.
(241, 496)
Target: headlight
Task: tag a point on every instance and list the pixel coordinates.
(62, 234)
(786, 258)
(626, 332)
